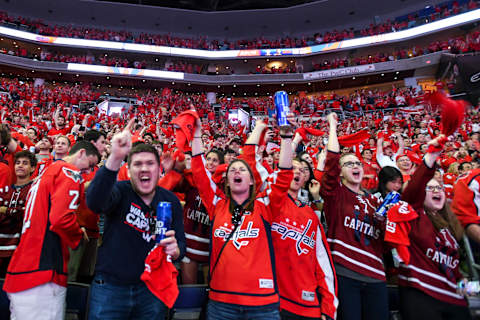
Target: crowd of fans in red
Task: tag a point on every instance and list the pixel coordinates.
(38, 26)
(24, 107)
(29, 106)
(46, 119)
(41, 99)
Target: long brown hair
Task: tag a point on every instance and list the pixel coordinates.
(445, 218)
(252, 195)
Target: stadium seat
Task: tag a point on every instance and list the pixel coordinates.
(393, 302)
(189, 302)
(77, 301)
(4, 304)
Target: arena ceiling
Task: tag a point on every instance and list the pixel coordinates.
(217, 18)
(231, 5)
(218, 5)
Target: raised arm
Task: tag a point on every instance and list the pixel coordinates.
(100, 195)
(401, 144)
(256, 134)
(332, 144)
(415, 192)
(56, 115)
(202, 178)
(331, 176)
(379, 147)
(279, 188)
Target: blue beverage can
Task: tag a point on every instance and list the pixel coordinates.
(164, 219)
(282, 107)
(391, 198)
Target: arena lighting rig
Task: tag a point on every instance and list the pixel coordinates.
(391, 37)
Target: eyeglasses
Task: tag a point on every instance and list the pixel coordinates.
(434, 188)
(351, 164)
(237, 215)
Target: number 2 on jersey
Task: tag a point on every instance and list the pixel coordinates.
(74, 203)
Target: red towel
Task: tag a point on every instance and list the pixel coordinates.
(398, 228)
(160, 276)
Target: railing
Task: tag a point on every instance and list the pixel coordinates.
(425, 61)
(473, 266)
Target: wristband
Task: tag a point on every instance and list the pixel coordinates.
(197, 137)
(317, 201)
(286, 136)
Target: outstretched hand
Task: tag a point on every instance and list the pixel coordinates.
(121, 146)
(290, 129)
(314, 189)
(332, 119)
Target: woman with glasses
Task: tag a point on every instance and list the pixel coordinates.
(354, 234)
(242, 268)
(430, 278)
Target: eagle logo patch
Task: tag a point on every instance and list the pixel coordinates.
(72, 174)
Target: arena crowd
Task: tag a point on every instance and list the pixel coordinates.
(280, 221)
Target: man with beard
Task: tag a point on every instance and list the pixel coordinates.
(43, 146)
(117, 291)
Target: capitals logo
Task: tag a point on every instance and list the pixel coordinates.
(298, 234)
(72, 174)
(139, 220)
(241, 235)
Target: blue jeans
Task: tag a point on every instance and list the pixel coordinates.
(114, 301)
(227, 311)
(362, 300)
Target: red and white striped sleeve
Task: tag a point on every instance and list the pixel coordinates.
(208, 190)
(326, 276)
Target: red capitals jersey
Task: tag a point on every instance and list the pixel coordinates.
(354, 235)
(42, 165)
(301, 244)
(49, 228)
(370, 168)
(13, 200)
(196, 223)
(434, 254)
(466, 198)
(298, 240)
(245, 271)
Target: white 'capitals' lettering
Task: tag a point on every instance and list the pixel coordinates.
(441, 258)
(239, 235)
(363, 227)
(198, 216)
(287, 231)
(136, 219)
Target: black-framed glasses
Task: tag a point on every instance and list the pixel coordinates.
(237, 215)
(351, 164)
(434, 188)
